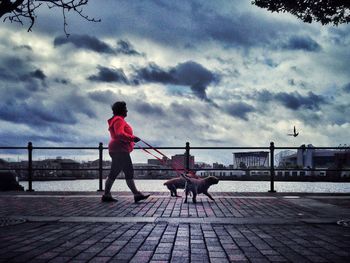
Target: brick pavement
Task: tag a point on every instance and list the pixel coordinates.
(234, 228)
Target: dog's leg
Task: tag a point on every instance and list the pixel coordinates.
(172, 189)
(194, 198)
(169, 188)
(209, 195)
(186, 194)
(194, 192)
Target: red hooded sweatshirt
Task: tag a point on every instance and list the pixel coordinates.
(122, 138)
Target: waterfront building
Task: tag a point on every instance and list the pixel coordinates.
(164, 161)
(152, 171)
(217, 165)
(248, 160)
(221, 173)
(199, 165)
(318, 161)
(178, 161)
(309, 157)
(48, 168)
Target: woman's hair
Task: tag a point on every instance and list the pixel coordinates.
(118, 107)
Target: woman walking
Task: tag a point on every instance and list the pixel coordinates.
(120, 146)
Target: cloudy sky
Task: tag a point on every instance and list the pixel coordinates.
(214, 73)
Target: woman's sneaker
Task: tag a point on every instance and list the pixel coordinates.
(108, 199)
(139, 197)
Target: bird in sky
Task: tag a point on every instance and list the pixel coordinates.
(294, 134)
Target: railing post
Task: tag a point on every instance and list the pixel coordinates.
(100, 166)
(187, 156)
(30, 166)
(272, 167)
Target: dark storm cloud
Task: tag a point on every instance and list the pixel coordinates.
(189, 73)
(293, 100)
(109, 75)
(14, 69)
(149, 109)
(305, 43)
(21, 138)
(87, 42)
(339, 35)
(102, 96)
(188, 24)
(62, 81)
(346, 88)
(14, 92)
(237, 30)
(23, 47)
(38, 74)
(34, 114)
(52, 133)
(6, 75)
(124, 47)
(182, 110)
(239, 110)
(153, 73)
(34, 80)
(35, 110)
(84, 42)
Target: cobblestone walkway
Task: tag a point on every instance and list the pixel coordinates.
(233, 228)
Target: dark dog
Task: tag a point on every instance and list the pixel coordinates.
(199, 186)
(178, 183)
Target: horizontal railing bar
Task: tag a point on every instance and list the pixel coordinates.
(314, 148)
(65, 148)
(170, 169)
(229, 148)
(13, 148)
(176, 148)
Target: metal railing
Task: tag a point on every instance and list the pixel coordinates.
(272, 169)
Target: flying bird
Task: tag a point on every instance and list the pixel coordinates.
(294, 134)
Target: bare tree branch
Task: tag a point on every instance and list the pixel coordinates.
(22, 10)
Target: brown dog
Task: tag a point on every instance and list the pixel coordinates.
(199, 186)
(178, 183)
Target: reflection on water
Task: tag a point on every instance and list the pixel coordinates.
(223, 186)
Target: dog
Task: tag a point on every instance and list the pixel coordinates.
(199, 186)
(178, 183)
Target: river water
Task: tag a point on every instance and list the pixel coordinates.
(223, 186)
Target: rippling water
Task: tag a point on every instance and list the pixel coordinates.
(223, 186)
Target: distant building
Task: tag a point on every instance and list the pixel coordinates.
(218, 165)
(199, 165)
(164, 161)
(178, 161)
(221, 173)
(248, 160)
(145, 170)
(319, 160)
(48, 168)
(309, 157)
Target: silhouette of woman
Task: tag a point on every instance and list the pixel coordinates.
(120, 146)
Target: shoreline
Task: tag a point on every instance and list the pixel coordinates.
(309, 180)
